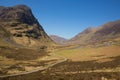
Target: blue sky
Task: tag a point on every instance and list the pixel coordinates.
(67, 18)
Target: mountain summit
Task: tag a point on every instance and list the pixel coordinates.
(22, 27)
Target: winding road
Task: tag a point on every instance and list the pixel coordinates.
(40, 69)
(63, 59)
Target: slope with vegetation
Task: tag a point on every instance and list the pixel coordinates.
(22, 40)
(22, 27)
(105, 33)
(58, 39)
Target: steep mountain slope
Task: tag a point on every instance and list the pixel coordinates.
(82, 37)
(57, 39)
(107, 32)
(22, 27)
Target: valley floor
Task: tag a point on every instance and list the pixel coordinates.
(72, 71)
(74, 63)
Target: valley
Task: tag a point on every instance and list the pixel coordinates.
(28, 53)
(88, 66)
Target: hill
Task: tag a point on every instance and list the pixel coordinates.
(21, 35)
(21, 27)
(105, 33)
(57, 39)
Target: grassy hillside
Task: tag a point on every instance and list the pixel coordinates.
(104, 32)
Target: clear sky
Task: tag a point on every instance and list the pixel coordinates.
(67, 18)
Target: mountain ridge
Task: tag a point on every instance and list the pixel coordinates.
(23, 27)
(107, 31)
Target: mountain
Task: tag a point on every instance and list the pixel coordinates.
(57, 39)
(108, 32)
(19, 26)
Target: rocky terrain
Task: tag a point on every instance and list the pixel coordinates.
(19, 25)
(22, 39)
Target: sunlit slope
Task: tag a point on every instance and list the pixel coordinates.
(90, 53)
(105, 32)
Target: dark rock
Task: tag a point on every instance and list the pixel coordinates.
(21, 13)
(23, 27)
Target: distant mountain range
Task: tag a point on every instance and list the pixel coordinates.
(58, 39)
(19, 26)
(107, 32)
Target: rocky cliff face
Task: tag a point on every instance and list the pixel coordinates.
(22, 26)
(20, 13)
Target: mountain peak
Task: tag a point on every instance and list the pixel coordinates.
(21, 13)
(23, 26)
(21, 6)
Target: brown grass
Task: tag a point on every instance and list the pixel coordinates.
(21, 53)
(90, 53)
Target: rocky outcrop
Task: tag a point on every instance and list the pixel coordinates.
(20, 13)
(22, 26)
